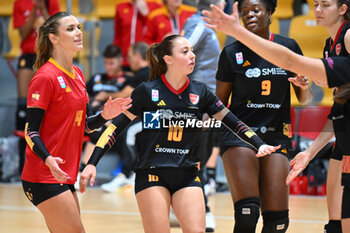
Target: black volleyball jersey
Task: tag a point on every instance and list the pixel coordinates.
(336, 78)
(172, 121)
(260, 90)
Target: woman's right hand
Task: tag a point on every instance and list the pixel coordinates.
(89, 173)
(298, 164)
(53, 163)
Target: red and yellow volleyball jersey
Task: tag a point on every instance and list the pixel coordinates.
(161, 23)
(63, 96)
(21, 12)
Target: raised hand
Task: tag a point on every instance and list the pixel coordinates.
(266, 149)
(53, 163)
(89, 173)
(298, 164)
(113, 108)
(219, 20)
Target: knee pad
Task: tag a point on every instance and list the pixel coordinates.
(247, 212)
(275, 221)
(333, 226)
(345, 210)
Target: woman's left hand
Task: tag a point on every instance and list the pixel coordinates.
(113, 108)
(266, 149)
(300, 81)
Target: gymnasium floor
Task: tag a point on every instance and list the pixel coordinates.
(111, 213)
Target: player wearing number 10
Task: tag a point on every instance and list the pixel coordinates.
(167, 168)
(261, 99)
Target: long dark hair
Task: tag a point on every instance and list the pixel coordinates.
(342, 94)
(43, 46)
(155, 56)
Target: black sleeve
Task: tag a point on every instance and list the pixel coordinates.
(337, 70)
(32, 136)
(242, 130)
(138, 96)
(108, 138)
(93, 122)
(211, 104)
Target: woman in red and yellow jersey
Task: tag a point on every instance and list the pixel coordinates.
(167, 20)
(55, 124)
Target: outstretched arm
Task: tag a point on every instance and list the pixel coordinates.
(104, 143)
(111, 109)
(244, 132)
(273, 52)
(302, 159)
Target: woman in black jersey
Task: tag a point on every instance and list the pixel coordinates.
(171, 108)
(331, 71)
(333, 15)
(261, 98)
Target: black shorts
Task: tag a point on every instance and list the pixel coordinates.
(39, 192)
(26, 61)
(337, 153)
(229, 139)
(173, 179)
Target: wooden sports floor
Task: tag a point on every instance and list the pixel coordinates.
(111, 213)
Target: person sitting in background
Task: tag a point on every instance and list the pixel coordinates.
(113, 80)
(138, 64)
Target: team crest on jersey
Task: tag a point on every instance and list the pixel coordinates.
(239, 58)
(338, 49)
(61, 81)
(194, 98)
(155, 95)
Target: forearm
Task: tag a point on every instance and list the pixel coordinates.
(94, 122)
(282, 56)
(237, 127)
(32, 136)
(322, 139)
(304, 96)
(108, 138)
(25, 30)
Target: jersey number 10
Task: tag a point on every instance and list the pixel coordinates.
(175, 133)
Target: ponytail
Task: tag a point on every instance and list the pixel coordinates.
(155, 56)
(343, 94)
(43, 46)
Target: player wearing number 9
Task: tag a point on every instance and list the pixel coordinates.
(261, 99)
(171, 108)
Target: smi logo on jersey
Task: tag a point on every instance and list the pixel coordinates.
(256, 72)
(166, 118)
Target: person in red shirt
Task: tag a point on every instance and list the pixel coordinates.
(27, 16)
(166, 20)
(130, 23)
(56, 121)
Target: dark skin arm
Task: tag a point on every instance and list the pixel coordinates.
(223, 91)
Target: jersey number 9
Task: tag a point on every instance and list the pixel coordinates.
(266, 87)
